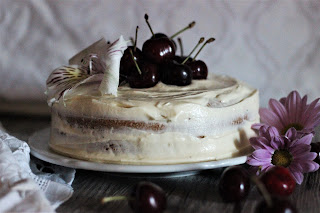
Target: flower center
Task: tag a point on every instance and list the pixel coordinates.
(294, 125)
(281, 158)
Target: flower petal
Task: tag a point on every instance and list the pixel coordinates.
(254, 162)
(62, 80)
(304, 140)
(291, 134)
(309, 166)
(262, 155)
(256, 126)
(298, 176)
(279, 110)
(306, 156)
(270, 118)
(301, 149)
(273, 132)
(291, 106)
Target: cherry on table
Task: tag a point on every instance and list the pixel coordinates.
(279, 205)
(148, 197)
(234, 184)
(278, 181)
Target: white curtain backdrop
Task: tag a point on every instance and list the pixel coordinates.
(272, 45)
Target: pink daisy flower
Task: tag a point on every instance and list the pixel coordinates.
(290, 151)
(292, 111)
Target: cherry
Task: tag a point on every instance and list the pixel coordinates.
(279, 205)
(174, 73)
(198, 67)
(315, 147)
(279, 181)
(144, 75)
(149, 76)
(162, 35)
(148, 198)
(126, 63)
(158, 50)
(234, 184)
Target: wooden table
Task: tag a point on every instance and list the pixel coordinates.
(197, 193)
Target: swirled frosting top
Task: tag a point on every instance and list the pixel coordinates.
(221, 98)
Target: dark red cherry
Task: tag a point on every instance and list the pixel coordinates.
(279, 181)
(173, 73)
(162, 35)
(149, 76)
(279, 205)
(126, 63)
(148, 198)
(315, 147)
(158, 50)
(130, 55)
(234, 184)
(199, 69)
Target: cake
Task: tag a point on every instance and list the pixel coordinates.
(172, 120)
(207, 120)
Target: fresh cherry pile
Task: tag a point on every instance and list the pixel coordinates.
(274, 185)
(158, 62)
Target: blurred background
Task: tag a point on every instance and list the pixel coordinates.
(272, 45)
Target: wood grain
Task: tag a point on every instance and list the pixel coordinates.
(197, 193)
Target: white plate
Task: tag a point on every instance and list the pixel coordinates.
(38, 143)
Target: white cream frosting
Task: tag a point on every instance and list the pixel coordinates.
(207, 120)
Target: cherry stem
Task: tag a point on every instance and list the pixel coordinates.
(135, 41)
(207, 41)
(181, 46)
(114, 198)
(200, 41)
(263, 190)
(184, 29)
(135, 62)
(146, 17)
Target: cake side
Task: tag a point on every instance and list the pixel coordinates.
(207, 120)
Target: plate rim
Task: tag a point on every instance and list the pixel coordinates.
(58, 159)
